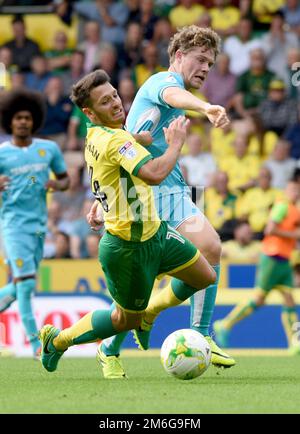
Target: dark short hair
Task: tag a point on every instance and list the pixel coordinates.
(239, 223)
(296, 175)
(64, 235)
(79, 52)
(18, 19)
(22, 100)
(82, 89)
(279, 14)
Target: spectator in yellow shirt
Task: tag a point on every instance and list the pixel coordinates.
(243, 247)
(187, 12)
(241, 168)
(225, 18)
(7, 68)
(256, 203)
(221, 141)
(219, 201)
(150, 66)
(263, 11)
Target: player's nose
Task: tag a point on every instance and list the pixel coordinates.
(205, 67)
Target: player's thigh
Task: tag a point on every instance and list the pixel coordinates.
(286, 282)
(182, 259)
(199, 230)
(21, 251)
(287, 279)
(199, 275)
(187, 218)
(130, 270)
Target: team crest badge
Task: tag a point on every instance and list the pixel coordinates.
(42, 152)
(139, 302)
(19, 263)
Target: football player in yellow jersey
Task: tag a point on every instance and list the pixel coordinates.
(137, 246)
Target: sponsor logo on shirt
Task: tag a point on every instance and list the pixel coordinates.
(42, 152)
(37, 167)
(19, 263)
(128, 151)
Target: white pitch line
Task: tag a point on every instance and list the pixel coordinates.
(249, 352)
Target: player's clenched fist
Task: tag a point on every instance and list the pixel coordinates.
(217, 116)
(175, 134)
(95, 216)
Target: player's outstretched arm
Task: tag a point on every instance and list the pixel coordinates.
(156, 170)
(185, 100)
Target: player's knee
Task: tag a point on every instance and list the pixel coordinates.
(212, 250)
(123, 321)
(25, 287)
(288, 299)
(133, 322)
(209, 277)
(260, 300)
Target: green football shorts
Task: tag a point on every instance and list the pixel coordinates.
(131, 268)
(273, 272)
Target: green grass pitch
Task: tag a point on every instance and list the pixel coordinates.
(262, 384)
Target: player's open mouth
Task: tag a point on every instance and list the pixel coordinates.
(118, 113)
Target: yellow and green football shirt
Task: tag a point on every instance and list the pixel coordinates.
(255, 205)
(224, 18)
(113, 158)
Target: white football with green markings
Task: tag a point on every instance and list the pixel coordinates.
(185, 354)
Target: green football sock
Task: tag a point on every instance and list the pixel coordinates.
(238, 313)
(93, 326)
(112, 346)
(288, 318)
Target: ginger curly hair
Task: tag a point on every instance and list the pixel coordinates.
(190, 37)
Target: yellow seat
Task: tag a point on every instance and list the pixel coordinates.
(36, 25)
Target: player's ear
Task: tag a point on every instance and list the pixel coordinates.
(88, 112)
(178, 55)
